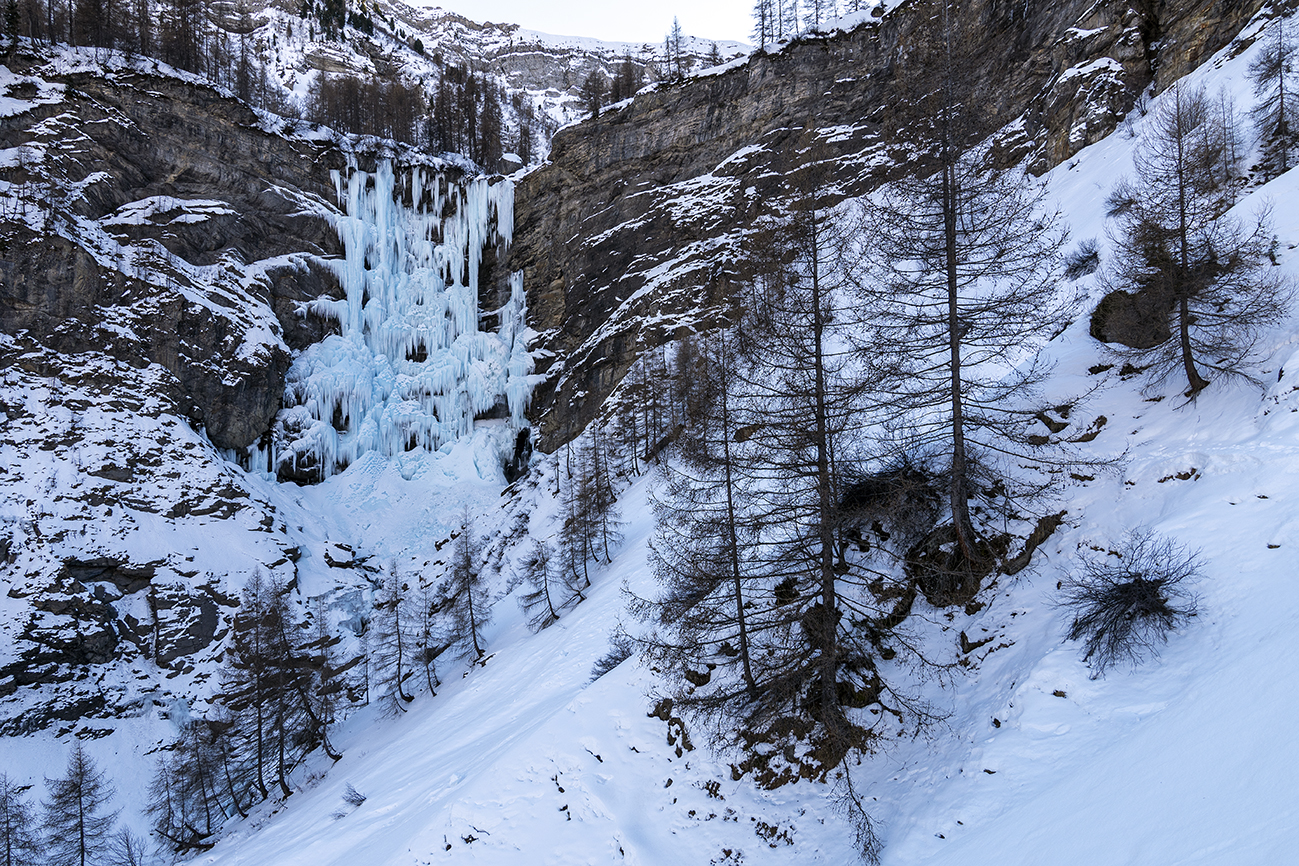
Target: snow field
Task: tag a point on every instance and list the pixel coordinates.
(1184, 760)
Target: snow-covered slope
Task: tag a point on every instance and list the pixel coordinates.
(415, 43)
(1184, 760)
(523, 758)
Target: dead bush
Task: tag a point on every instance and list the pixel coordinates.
(1124, 603)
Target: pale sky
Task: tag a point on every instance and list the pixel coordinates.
(613, 20)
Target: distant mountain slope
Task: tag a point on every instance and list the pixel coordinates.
(416, 44)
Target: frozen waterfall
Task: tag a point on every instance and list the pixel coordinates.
(410, 370)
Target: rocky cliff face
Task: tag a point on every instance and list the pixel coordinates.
(541, 72)
(157, 243)
(638, 217)
(159, 222)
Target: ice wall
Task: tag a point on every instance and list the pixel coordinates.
(410, 369)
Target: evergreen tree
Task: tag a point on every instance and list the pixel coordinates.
(11, 26)
(1272, 73)
(243, 63)
(466, 607)
(554, 590)
(594, 90)
(19, 844)
(332, 17)
(523, 143)
(628, 79)
(181, 31)
(1202, 273)
(490, 127)
(77, 829)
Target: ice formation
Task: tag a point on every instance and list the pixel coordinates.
(410, 369)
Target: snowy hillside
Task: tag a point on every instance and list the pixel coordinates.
(1183, 760)
(414, 44)
(405, 407)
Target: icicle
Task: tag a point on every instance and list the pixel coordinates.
(409, 368)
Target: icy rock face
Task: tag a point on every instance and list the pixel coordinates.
(410, 369)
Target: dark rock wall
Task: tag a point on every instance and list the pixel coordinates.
(113, 140)
(668, 182)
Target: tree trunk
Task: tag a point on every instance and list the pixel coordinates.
(732, 538)
(473, 619)
(829, 647)
(1195, 382)
(960, 485)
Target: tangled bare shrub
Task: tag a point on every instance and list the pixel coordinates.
(1125, 605)
(1082, 261)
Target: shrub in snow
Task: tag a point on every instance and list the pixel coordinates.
(1124, 604)
(1082, 261)
(620, 649)
(353, 797)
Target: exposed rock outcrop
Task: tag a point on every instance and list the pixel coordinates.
(638, 218)
(142, 234)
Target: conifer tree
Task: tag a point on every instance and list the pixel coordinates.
(760, 621)
(1275, 114)
(628, 79)
(599, 499)
(966, 260)
(288, 727)
(594, 90)
(393, 644)
(249, 681)
(674, 61)
(323, 686)
(1204, 275)
(185, 802)
(789, 17)
(466, 606)
(126, 848)
(764, 22)
(77, 829)
(554, 590)
(818, 12)
(19, 843)
(427, 644)
(700, 553)
(575, 529)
